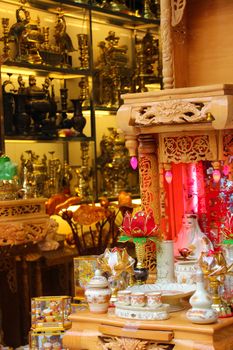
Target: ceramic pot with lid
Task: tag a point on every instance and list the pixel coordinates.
(98, 293)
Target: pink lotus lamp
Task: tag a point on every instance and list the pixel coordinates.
(139, 228)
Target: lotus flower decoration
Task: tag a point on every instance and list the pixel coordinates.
(117, 264)
(141, 224)
(115, 261)
(139, 228)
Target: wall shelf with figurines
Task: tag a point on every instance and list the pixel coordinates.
(64, 69)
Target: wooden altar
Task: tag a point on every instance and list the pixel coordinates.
(172, 127)
(94, 331)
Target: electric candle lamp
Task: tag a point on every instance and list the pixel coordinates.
(134, 162)
(216, 175)
(216, 172)
(226, 170)
(168, 173)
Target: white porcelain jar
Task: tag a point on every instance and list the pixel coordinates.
(185, 272)
(201, 311)
(98, 293)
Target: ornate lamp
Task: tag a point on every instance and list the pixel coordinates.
(168, 173)
(139, 228)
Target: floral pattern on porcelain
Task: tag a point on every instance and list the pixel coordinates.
(202, 316)
(98, 293)
(185, 272)
(96, 298)
(201, 302)
(142, 313)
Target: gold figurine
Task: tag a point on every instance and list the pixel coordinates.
(27, 36)
(112, 71)
(63, 40)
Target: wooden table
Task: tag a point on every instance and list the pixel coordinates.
(106, 331)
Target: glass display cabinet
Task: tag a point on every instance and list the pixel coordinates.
(64, 68)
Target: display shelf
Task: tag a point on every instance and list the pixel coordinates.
(67, 78)
(45, 70)
(47, 139)
(118, 17)
(124, 19)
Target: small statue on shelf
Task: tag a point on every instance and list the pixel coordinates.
(63, 40)
(27, 36)
(29, 110)
(147, 61)
(8, 95)
(33, 175)
(112, 74)
(21, 83)
(113, 164)
(40, 107)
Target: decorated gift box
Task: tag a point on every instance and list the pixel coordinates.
(50, 340)
(51, 313)
(84, 269)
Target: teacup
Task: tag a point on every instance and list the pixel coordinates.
(138, 299)
(124, 297)
(154, 299)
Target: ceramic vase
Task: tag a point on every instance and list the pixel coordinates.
(78, 120)
(201, 311)
(165, 262)
(98, 293)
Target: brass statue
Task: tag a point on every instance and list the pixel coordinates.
(147, 61)
(63, 40)
(31, 109)
(33, 175)
(27, 36)
(113, 163)
(112, 76)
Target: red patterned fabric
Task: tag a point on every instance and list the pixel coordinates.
(193, 191)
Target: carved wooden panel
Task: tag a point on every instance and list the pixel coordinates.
(172, 112)
(187, 148)
(121, 343)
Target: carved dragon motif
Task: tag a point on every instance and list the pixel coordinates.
(171, 112)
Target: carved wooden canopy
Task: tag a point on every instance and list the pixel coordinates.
(188, 121)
